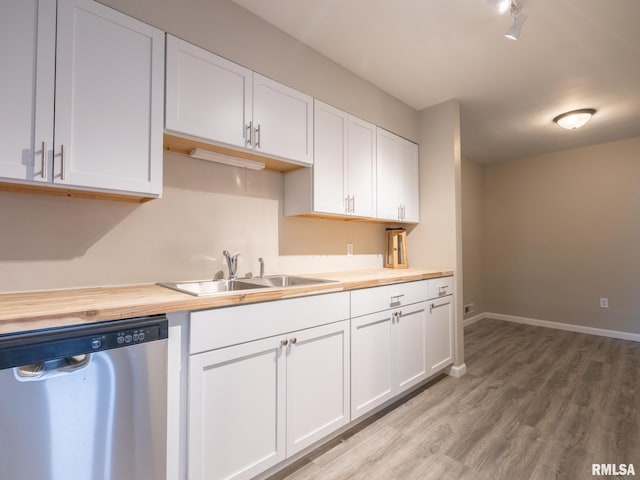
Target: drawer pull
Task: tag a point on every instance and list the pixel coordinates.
(61, 162)
(257, 137)
(43, 170)
(442, 290)
(396, 298)
(249, 135)
(433, 305)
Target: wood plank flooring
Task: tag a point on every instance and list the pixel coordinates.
(535, 404)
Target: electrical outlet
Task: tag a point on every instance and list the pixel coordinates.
(604, 302)
(468, 308)
(349, 249)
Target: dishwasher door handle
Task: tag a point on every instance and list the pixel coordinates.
(52, 368)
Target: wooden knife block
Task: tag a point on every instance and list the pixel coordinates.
(396, 249)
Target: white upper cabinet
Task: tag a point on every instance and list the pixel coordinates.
(343, 179)
(282, 121)
(329, 175)
(207, 96)
(398, 178)
(361, 167)
(213, 99)
(109, 99)
(109, 83)
(27, 56)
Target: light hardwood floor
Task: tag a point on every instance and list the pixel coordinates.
(535, 404)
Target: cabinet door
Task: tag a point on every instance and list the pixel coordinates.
(236, 410)
(388, 184)
(371, 374)
(410, 346)
(27, 56)
(410, 181)
(207, 96)
(440, 333)
(317, 384)
(330, 159)
(398, 178)
(109, 99)
(283, 121)
(361, 167)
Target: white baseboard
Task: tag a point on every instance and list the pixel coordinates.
(474, 319)
(558, 326)
(456, 370)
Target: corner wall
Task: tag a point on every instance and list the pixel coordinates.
(436, 241)
(473, 236)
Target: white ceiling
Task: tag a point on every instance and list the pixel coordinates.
(571, 54)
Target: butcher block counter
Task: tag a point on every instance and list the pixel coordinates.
(58, 308)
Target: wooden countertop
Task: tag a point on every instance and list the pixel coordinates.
(48, 309)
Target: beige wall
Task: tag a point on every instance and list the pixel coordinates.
(50, 242)
(56, 242)
(561, 231)
(473, 236)
(436, 240)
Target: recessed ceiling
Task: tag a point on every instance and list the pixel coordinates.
(571, 54)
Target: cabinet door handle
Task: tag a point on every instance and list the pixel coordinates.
(61, 162)
(257, 144)
(284, 342)
(404, 212)
(353, 204)
(433, 306)
(43, 170)
(249, 134)
(294, 340)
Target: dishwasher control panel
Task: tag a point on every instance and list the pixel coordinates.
(43, 345)
(125, 338)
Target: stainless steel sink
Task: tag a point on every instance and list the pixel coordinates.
(279, 281)
(213, 287)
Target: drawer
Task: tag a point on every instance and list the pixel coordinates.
(376, 299)
(440, 287)
(223, 327)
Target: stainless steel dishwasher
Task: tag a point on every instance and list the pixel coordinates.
(85, 402)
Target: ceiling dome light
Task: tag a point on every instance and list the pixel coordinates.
(575, 118)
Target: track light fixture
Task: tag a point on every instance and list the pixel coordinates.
(518, 21)
(519, 17)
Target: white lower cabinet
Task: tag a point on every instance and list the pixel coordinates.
(318, 379)
(394, 349)
(268, 380)
(253, 404)
(440, 333)
(237, 410)
(389, 355)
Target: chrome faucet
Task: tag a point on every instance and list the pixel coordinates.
(232, 263)
(261, 260)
